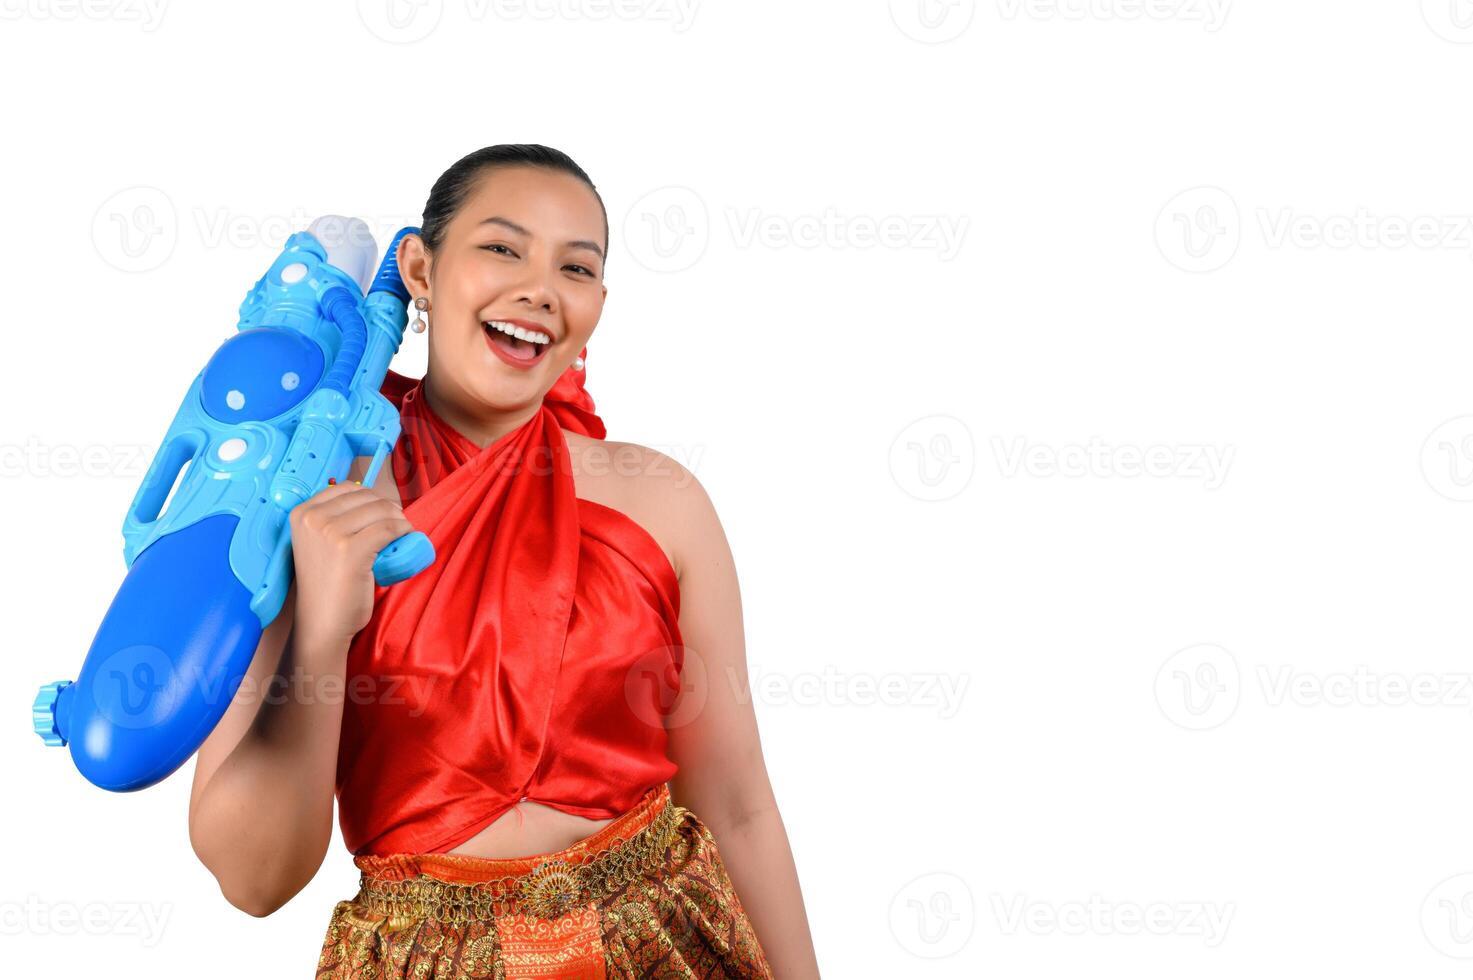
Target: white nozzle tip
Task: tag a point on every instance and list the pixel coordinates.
(349, 244)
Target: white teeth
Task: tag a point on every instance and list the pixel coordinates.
(535, 336)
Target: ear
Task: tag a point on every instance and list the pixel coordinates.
(414, 266)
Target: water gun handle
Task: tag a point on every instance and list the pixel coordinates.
(404, 558)
(407, 555)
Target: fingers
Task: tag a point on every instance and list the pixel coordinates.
(377, 535)
(343, 509)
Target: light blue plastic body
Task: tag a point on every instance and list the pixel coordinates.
(284, 404)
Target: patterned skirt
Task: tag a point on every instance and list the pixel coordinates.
(645, 896)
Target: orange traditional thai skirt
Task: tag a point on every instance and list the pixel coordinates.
(645, 896)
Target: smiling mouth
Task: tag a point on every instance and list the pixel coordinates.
(516, 342)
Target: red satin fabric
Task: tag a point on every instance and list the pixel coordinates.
(535, 658)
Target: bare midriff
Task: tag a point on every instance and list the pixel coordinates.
(529, 828)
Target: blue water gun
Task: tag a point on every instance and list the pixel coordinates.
(287, 402)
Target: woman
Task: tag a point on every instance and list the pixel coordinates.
(526, 731)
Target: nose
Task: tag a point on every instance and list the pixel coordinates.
(536, 291)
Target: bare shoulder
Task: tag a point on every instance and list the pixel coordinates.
(384, 484)
(649, 486)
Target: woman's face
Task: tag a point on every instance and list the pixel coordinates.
(526, 245)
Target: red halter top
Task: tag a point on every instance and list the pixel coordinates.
(535, 659)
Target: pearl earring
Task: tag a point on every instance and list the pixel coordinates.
(578, 363)
(419, 322)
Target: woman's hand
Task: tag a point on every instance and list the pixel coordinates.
(336, 535)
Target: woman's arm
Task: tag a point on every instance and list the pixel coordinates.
(261, 805)
(722, 776)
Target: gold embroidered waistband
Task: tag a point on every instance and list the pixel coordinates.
(548, 891)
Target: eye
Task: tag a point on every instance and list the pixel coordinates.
(585, 270)
(499, 245)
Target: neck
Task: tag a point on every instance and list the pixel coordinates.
(482, 429)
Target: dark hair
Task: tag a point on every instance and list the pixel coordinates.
(455, 184)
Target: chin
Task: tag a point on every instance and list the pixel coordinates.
(507, 388)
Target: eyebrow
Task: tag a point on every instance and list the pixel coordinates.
(522, 231)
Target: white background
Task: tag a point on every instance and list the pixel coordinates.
(1130, 464)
